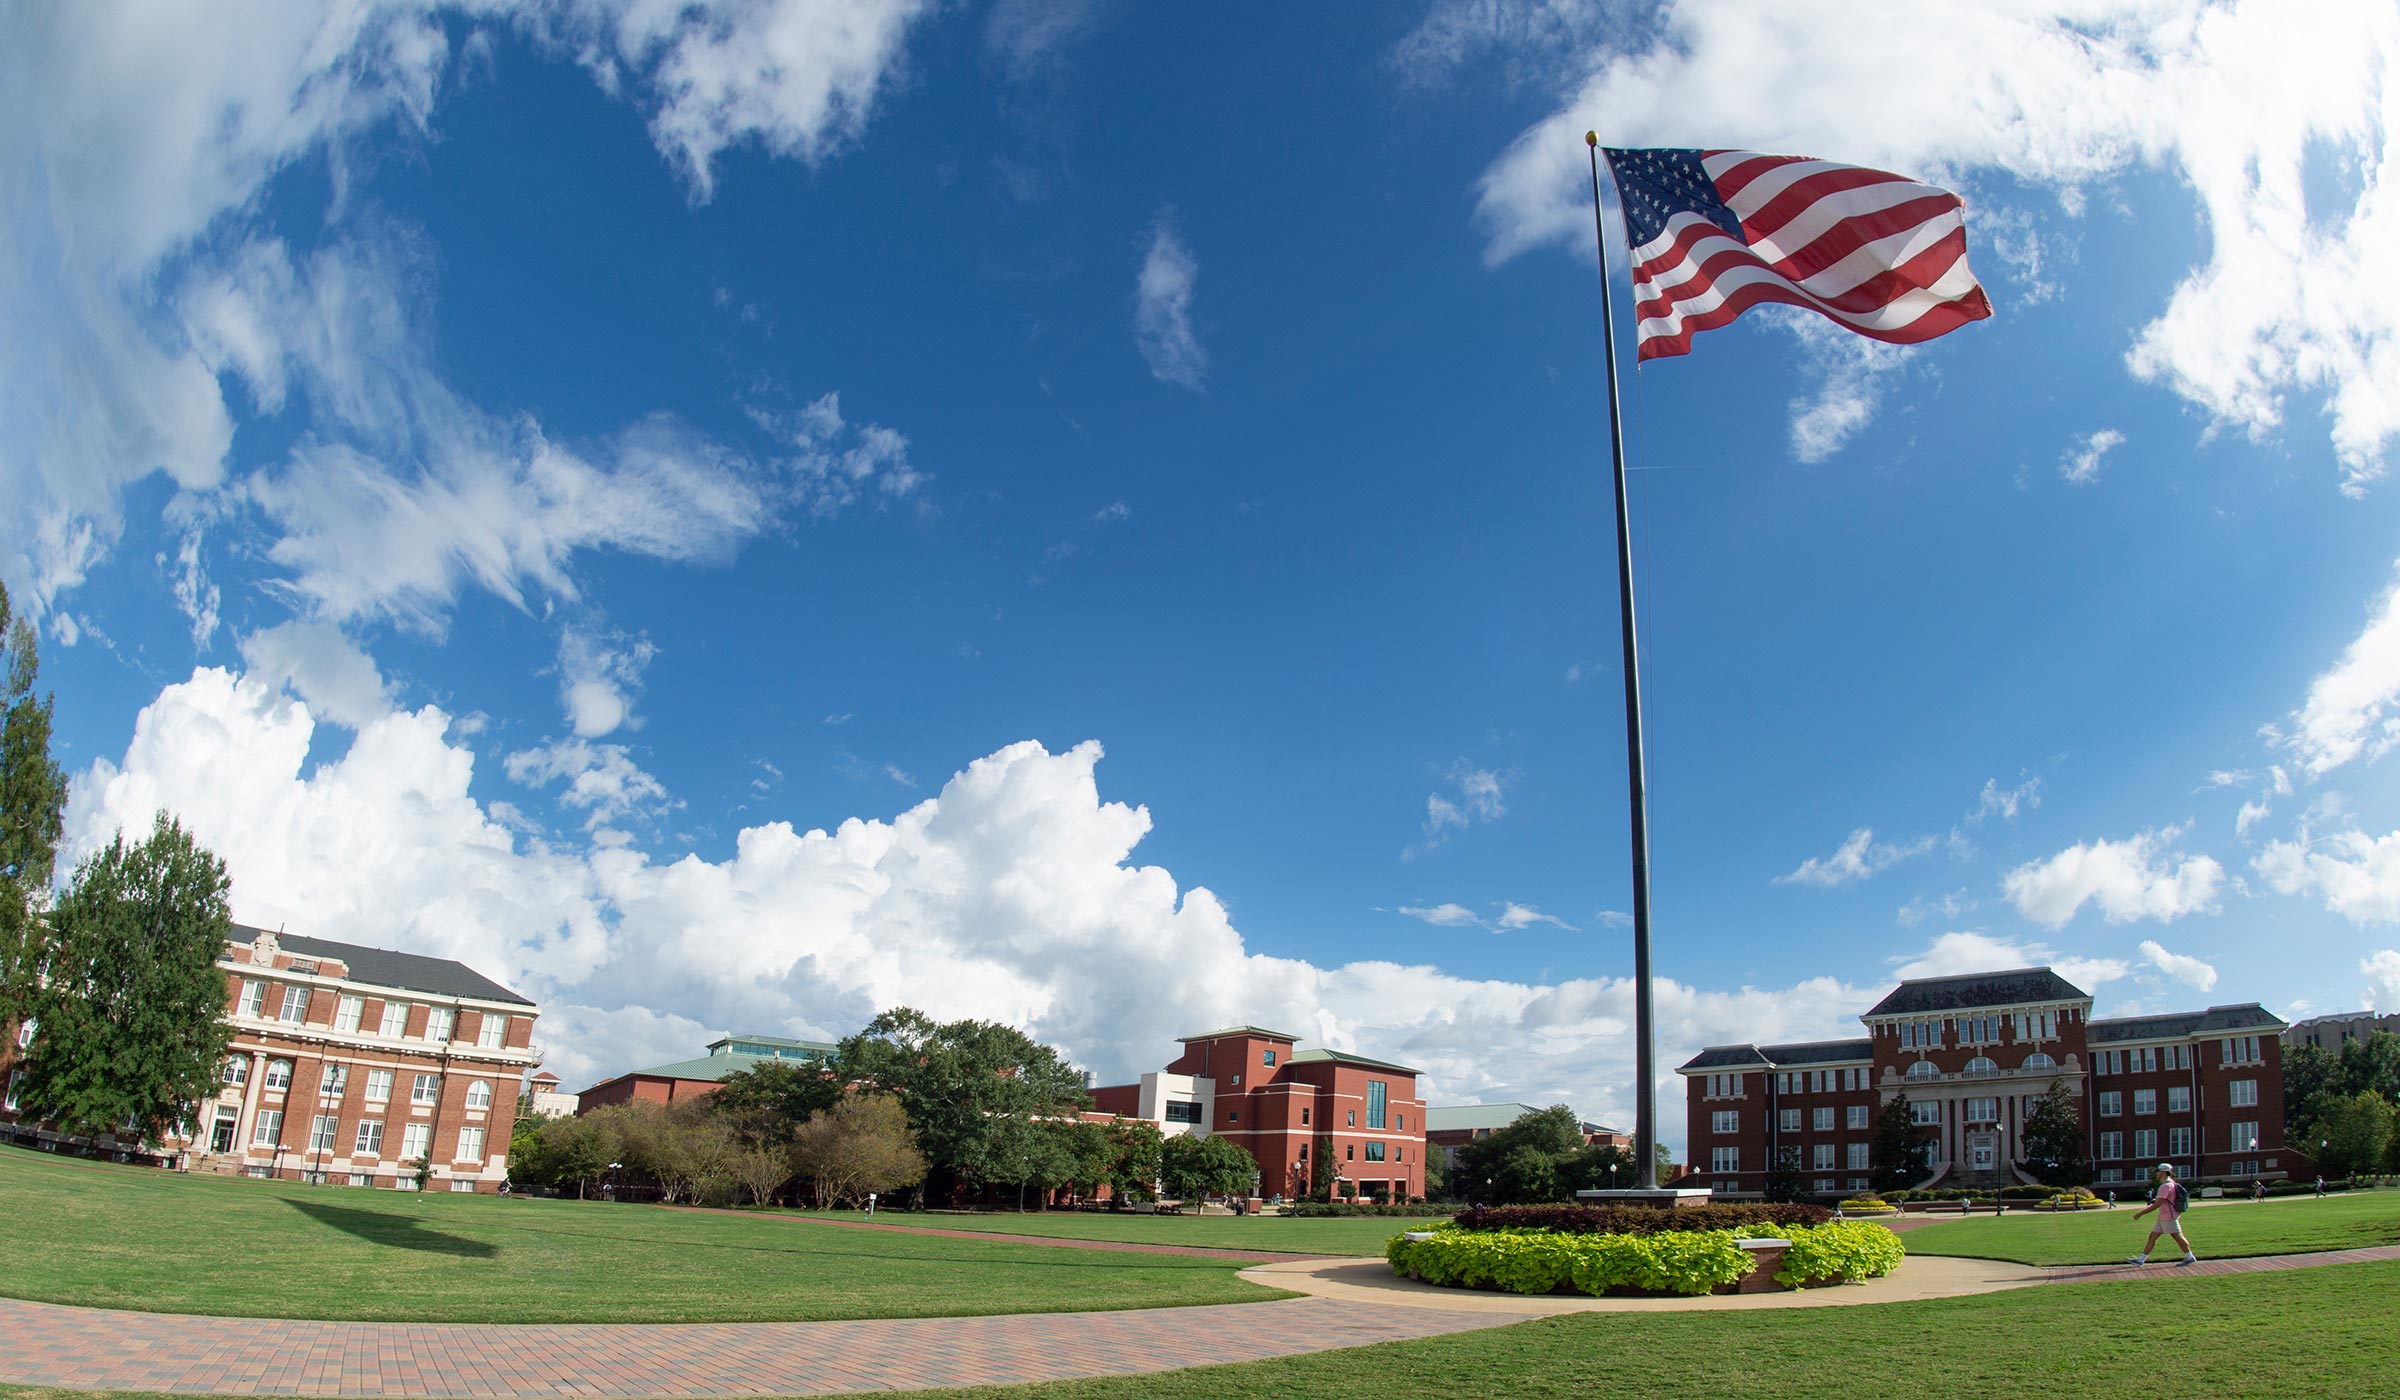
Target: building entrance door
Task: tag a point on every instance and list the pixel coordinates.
(220, 1138)
(1983, 1156)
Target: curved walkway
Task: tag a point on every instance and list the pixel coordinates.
(1356, 1302)
(1255, 1256)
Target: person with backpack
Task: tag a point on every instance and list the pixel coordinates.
(2170, 1201)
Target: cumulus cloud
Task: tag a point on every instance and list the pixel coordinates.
(2356, 875)
(2141, 877)
(599, 672)
(995, 896)
(1849, 373)
(323, 666)
(1162, 309)
(2190, 971)
(2353, 708)
(2232, 99)
(2081, 464)
(600, 779)
(2382, 971)
(1963, 952)
(1859, 856)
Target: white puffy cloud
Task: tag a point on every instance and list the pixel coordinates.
(1962, 952)
(321, 665)
(997, 897)
(2353, 708)
(1849, 372)
(1443, 915)
(2233, 99)
(2356, 875)
(2188, 970)
(1162, 309)
(1859, 856)
(2137, 878)
(2382, 971)
(601, 779)
(2081, 464)
(599, 673)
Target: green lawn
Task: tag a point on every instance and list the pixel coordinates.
(2309, 1333)
(1336, 1235)
(2297, 1225)
(127, 1237)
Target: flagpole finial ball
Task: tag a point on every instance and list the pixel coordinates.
(1591, 138)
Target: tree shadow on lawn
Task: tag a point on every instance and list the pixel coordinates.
(1087, 1261)
(395, 1231)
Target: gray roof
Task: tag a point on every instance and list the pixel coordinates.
(1725, 1057)
(2015, 987)
(2216, 1020)
(1812, 1052)
(1471, 1117)
(1344, 1057)
(412, 972)
(1258, 1031)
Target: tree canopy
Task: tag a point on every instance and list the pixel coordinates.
(972, 1091)
(33, 800)
(2054, 1138)
(130, 1019)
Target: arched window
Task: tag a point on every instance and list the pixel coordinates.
(237, 1070)
(279, 1074)
(1981, 1064)
(2038, 1060)
(479, 1095)
(1922, 1069)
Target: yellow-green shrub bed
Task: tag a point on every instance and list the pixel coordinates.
(1682, 1262)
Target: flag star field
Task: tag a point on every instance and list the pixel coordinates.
(738, 516)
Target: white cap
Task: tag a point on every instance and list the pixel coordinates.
(2167, 1167)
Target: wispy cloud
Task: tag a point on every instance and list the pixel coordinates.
(1162, 309)
(2081, 464)
(1858, 857)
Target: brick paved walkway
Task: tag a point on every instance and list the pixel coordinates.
(2261, 1264)
(94, 1349)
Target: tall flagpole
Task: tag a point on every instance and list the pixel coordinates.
(1645, 1112)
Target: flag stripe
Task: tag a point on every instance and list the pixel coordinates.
(1723, 231)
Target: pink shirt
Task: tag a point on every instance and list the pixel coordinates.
(2165, 1199)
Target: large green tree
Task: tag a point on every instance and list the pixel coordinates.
(1892, 1151)
(2370, 1065)
(768, 1102)
(130, 1018)
(1191, 1166)
(1785, 1180)
(1553, 1134)
(2054, 1138)
(970, 1088)
(2307, 1070)
(860, 1145)
(33, 800)
(2347, 1133)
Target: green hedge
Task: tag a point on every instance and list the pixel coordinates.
(1844, 1251)
(1689, 1261)
(1310, 1210)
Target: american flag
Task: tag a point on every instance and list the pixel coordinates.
(1715, 233)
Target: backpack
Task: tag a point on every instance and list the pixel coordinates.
(2178, 1199)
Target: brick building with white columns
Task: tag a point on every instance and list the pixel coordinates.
(1973, 1053)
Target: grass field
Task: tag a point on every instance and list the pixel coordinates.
(2236, 1229)
(127, 1237)
(1331, 1235)
(2309, 1333)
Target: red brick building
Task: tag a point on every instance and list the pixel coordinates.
(350, 1064)
(1284, 1106)
(2201, 1089)
(686, 1079)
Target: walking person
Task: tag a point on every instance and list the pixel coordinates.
(2169, 1201)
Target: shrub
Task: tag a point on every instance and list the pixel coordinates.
(1868, 1205)
(1320, 1209)
(1538, 1261)
(1843, 1250)
(1640, 1220)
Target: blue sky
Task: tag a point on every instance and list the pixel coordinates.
(507, 474)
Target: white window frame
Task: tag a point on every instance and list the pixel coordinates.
(425, 1090)
(1855, 1117)
(2112, 1103)
(2179, 1098)
(470, 1145)
(279, 1076)
(295, 1005)
(266, 1130)
(2242, 1093)
(1822, 1120)
(1724, 1160)
(2145, 1143)
(1787, 1120)
(2245, 1136)
(2112, 1147)
(393, 1023)
(379, 1086)
(1925, 1113)
(416, 1141)
(440, 1022)
(254, 999)
(332, 1080)
(1858, 1156)
(492, 1032)
(479, 1094)
(2179, 1142)
(1824, 1157)
(1724, 1120)
(236, 1072)
(2145, 1102)
(324, 1130)
(347, 1012)
(370, 1138)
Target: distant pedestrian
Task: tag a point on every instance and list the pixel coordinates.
(2258, 1190)
(2320, 1183)
(2112, 1198)
(2170, 1201)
